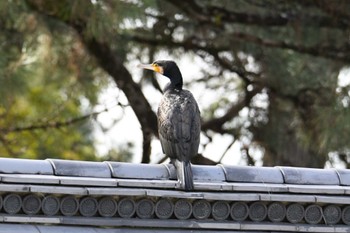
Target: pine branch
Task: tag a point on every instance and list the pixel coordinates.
(339, 52)
(215, 17)
(5, 145)
(219, 15)
(52, 124)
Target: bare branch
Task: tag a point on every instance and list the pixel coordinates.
(216, 124)
(113, 64)
(200, 159)
(227, 149)
(245, 152)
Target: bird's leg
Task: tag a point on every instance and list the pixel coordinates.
(179, 184)
(180, 174)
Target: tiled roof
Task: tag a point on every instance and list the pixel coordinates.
(202, 173)
(124, 195)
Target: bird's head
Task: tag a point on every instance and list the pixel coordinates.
(167, 68)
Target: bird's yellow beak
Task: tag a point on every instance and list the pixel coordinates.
(152, 66)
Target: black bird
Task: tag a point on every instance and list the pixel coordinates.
(178, 122)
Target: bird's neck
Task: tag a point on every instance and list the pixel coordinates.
(175, 79)
(173, 86)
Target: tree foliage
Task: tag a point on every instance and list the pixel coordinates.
(46, 75)
(272, 67)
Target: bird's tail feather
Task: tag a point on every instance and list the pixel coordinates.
(184, 174)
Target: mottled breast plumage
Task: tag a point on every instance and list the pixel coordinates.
(179, 124)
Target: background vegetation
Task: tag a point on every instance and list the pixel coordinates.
(269, 74)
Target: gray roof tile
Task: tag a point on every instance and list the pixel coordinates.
(253, 174)
(298, 175)
(80, 168)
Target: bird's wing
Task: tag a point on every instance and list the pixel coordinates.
(179, 125)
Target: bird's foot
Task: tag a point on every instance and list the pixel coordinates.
(179, 185)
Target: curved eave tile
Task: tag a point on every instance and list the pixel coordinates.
(203, 173)
(25, 166)
(344, 176)
(309, 176)
(80, 168)
(139, 171)
(208, 173)
(253, 174)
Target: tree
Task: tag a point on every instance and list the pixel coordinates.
(45, 79)
(273, 65)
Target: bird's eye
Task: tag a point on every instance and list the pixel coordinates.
(155, 64)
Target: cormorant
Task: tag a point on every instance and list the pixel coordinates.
(178, 122)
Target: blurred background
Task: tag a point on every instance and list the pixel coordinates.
(271, 77)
